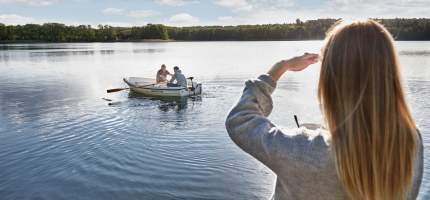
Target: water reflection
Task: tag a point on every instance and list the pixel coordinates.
(8, 47)
(107, 52)
(290, 84)
(415, 53)
(148, 50)
(167, 104)
(63, 53)
(175, 104)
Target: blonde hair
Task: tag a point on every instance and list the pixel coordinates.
(374, 138)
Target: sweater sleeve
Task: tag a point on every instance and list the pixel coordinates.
(173, 78)
(418, 169)
(249, 127)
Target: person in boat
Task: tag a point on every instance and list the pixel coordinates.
(368, 147)
(162, 74)
(178, 79)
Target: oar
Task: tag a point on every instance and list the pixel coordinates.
(121, 89)
(297, 121)
(106, 99)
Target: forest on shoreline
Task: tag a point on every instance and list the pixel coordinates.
(401, 29)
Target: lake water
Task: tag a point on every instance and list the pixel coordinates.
(60, 140)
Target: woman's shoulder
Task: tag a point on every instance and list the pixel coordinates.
(309, 144)
(308, 138)
(314, 133)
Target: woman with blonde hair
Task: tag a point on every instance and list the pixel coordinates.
(368, 148)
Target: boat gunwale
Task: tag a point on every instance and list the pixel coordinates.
(181, 88)
(149, 88)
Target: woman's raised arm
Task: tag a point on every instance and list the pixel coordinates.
(248, 125)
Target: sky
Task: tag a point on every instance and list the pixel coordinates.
(202, 12)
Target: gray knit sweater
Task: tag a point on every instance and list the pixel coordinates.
(300, 158)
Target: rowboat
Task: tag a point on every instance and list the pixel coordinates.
(148, 87)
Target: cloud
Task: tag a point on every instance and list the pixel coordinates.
(113, 11)
(183, 19)
(174, 2)
(254, 5)
(225, 18)
(141, 13)
(16, 19)
(30, 2)
(130, 13)
(375, 8)
(238, 11)
(235, 5)
(284, 11)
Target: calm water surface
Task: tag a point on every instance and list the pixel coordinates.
(60, 140)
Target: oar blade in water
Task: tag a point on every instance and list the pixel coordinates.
(116, 90)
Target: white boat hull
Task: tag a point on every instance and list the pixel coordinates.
(143, 86)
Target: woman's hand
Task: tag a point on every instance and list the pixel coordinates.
(298, 63)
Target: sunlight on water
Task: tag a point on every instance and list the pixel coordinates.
(60, 140)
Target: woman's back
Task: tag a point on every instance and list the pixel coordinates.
(371, 150)
(301, 158)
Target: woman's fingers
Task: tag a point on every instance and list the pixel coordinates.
(301, 62)
(297, 63)
(311, 56)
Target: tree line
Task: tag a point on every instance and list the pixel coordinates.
(401, 29)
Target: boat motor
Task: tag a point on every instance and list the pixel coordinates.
(192, 84)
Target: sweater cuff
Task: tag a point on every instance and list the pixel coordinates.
(267, 79)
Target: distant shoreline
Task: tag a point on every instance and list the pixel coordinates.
(165, 41)
(415, 29)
